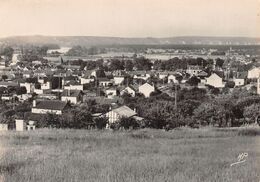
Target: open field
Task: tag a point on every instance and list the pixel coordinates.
(141, 155)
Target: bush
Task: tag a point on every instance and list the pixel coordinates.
(249, 132)
(100, 122)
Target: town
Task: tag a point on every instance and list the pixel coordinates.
(106, 87)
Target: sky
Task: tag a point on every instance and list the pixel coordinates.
(130, 18)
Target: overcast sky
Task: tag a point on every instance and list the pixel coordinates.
(130, 18)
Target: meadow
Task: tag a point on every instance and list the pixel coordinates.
(129, 156)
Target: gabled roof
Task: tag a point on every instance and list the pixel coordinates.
(51, 105)
(241, 75)
(104, 79)
(70, 93)
(124, 111)
(203, 73)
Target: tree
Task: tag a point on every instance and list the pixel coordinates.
(128, 123)
(8, 53)
(129, 65)
(230, 84)
(4, 77)
(193, 81)
(100, 122)
(21, 90)
(252, 112)
(83, 119)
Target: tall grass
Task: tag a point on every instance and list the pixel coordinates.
(141, 155)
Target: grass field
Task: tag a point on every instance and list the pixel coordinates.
(141, 155)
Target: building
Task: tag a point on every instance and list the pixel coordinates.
(111, 92)
(215, 81)
(253, 73)
(146, 89)
(49, 106)
(258, 86)
(73, 85)
(144, 76)
(116, 114)
(118, 80)
(20, 125)
(72, 96)
(240, 79)
(172, 79)
(128, 90)
(193, 69)
(104, 82)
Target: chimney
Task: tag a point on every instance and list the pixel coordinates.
(34, 103)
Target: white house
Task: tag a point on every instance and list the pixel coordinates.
(258, 86)
(142, 76)
(73, 96)
(239, 81)
(84, 80)
(215, 81)
(163, 75)
(74, 87)
(115, 114)
(129, 90)
(253, 73)
(172, 79)
(49, 106)
(146, 89)
(118, 80)
(46, 85)
(20, 125)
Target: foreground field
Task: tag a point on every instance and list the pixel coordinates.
(142, 155)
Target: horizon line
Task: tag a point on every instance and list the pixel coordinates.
(201, 36)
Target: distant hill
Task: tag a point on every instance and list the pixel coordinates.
(92, 40)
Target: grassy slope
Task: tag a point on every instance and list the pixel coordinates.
(144, 155)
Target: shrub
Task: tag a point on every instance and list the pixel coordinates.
(249, 132)
(100, 122)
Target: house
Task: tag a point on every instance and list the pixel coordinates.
(258, 86)
(172, 79)
(73, 85)
(193, 69)
(129, 90)
(146, 89)
(84, 80)
(111, 92)
(8, 84)
(20, 125)
(49, 106)
(118, 80)
(163, 75)
(27, 74)
(116, 114)
(202, 74)
(240, 79)
(104, 82)
(73, 96)
(253, 73)
(215, 81)
(144, 76)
